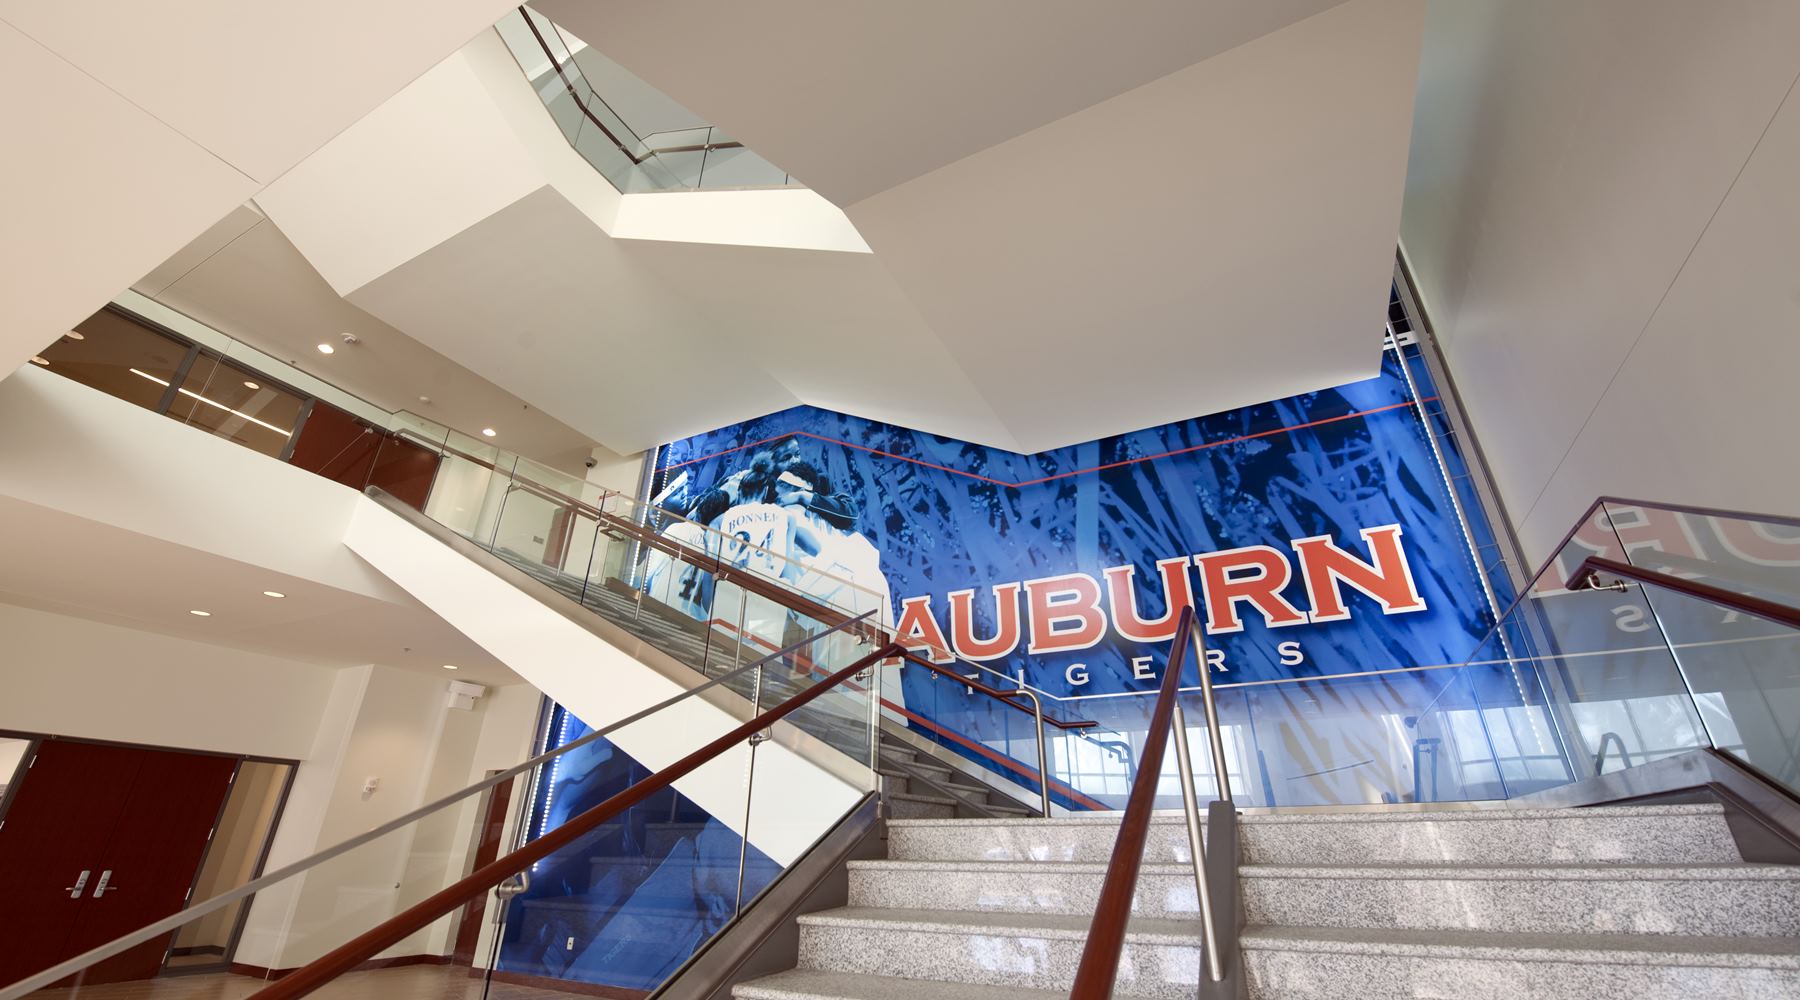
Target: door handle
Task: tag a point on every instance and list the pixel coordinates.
(74, 891)
(100, 887)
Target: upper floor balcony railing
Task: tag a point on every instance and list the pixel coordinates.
(575, 83)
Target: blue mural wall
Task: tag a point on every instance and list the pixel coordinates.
(947, 515)
(628, 904)
(1331, 708)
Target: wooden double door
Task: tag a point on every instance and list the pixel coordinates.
(97, 841)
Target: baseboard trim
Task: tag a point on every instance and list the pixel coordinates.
(264, 973)
(563, 985)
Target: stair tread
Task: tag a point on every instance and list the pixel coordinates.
(948, 784)
(1572, 871)
(936, 800)
(923, 765)
(1019, 867)
(818, 984)
(1613, 949)
(1174, 816)
(998, 923)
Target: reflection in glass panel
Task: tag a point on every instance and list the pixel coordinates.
(236, 403)
(12, 759)
(624, 906)
(119, 357)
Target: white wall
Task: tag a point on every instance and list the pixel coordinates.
(1602, 218)
(395, 727)
(73, 677)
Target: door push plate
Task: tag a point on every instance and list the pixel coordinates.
(100, 887)
(74, 891)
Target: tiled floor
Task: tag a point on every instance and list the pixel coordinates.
(413, 982)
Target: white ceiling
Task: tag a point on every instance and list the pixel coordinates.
(76, 566)
(1216, 238)
(132, 127)
(855, 98)
(1098, 223)
(244, 278)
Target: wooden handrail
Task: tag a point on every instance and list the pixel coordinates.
(1106, 935)
(361, 948)
(1774, 611)
(755, 583)
(768, 589)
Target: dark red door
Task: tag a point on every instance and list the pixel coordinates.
(54, 835)
(493, 824)
(155, 852)
(138, 818)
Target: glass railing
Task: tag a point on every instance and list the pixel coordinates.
(572, 81)
(1606, 673)
(739, 579)
(618, 908)
(1570, 684)
(650, 568)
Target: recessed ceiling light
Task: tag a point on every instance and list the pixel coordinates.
(201, 614)
(273, 593)
(326, 348)
(38, 359)
(251, 385)
(75, 335)
(449, 666)
(487, 432)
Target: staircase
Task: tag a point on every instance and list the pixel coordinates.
(1648, 902)
(917, 785)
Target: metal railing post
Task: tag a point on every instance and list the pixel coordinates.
(749, 790)
(1190, 806)
(873, 689)
(1216, 738)
(1043, 756)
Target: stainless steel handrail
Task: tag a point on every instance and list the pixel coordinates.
(1190, 802)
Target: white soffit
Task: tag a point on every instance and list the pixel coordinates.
(255, 286)
(540, 300)
(259, 84)
(1027, 296)
(1083, 301)
(132, 127)
(854, 98)
(96, 192)
(70, 565)
(426, 165)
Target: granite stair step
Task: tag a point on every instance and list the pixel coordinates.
(912, 805)
(932, 769)
(1613, 834)
(1084, 839)
(1670, 834)
(1713, 899)
(1163, 890)
(814, 984)
(1311, 963)
(1161, 958)
(892, 749)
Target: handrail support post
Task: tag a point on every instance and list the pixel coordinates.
(1214, 736)
(1043, 755)
(1190, 807)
